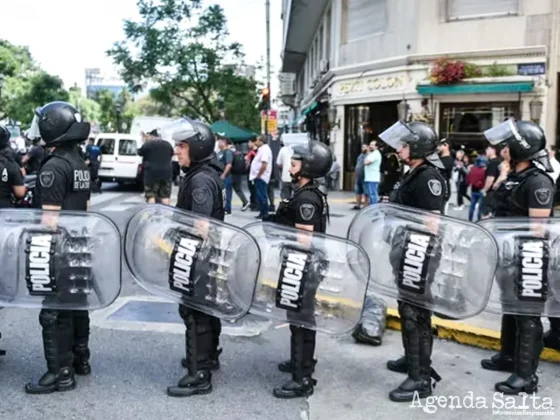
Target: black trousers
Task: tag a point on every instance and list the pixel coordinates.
(237, 184)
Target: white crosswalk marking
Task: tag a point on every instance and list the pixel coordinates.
(98, 199)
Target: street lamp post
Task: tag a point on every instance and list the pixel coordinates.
(118, 110)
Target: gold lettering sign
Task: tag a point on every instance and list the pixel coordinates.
(370, 84)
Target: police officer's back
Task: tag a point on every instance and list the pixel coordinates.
(63, 183)
(11, 181)
(202, 192)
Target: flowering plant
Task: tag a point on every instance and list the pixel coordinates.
(445, 71)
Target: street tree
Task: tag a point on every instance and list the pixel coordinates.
(116, 110)
(182, 47)
(90, 110)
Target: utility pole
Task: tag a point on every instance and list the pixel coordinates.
(267, 64)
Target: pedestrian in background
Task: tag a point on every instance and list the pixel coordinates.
(372, 173)
(284, 161)
(225, 157)
(249, 160)
(158, 171)
(261, 170)
(359, 183)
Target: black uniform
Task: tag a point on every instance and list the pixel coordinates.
(531, 188)
(424, 188)
(202, 191)
(307, 206)
(63, 181)
(514, 198)
(10, 177)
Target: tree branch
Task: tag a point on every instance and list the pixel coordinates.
(191, 105)
(201, 91)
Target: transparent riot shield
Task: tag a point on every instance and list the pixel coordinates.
(58, 260)
(528, 273)
(432, 261)
(198, 262)
(309, 279)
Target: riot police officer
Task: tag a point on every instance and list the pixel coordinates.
(422, 187)
(11, 181)
(63, 183)
(201, 191)
(306, 209)
(527, 192)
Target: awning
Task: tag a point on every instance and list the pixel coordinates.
(310, 108)
(230, 131)
(470, 88)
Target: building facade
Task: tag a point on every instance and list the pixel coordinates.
(359, 65)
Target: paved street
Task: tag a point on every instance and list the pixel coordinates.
(138, 342)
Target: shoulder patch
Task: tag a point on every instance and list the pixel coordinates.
(4, 175)
(199, 195)
(307, 211)
(543, 196)
(435, 187)
(46, 178)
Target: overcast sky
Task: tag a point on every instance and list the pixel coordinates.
(68, 36)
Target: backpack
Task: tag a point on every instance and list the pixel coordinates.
(476, 177)
(238, 166)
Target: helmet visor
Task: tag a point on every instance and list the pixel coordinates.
(502, 132)
(33, 132)
(178, 131)
(396, 135)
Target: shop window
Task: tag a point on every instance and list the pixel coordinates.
(365, 18)
(464, 124)
(471, 9)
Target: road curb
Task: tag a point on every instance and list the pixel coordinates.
(470, 335)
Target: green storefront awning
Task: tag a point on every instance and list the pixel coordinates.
(232, 132)
(470, 88)
(310, 108)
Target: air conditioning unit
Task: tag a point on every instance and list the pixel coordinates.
(324, 66)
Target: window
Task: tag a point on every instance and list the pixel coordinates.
(107, 146)
(127, 148)
(468, 9)
(464, 124)
(365, 18)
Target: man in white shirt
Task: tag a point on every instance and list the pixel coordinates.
(261, 170)
(372, 173)
(284, 161)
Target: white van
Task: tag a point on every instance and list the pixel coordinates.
(119, 159)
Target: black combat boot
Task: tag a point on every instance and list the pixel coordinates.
(503, 361)
(200, 345)
(2, 352)
(399, 365)
(301, 384)
(552, 336)
(57, 344)
(528, 350)
(417, 332)
(288, 365)
(81, 339)
(213, 362)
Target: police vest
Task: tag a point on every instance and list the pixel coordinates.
(286, 213)
(79, 181)
(185, 199)
(507, 200)
(405, 187)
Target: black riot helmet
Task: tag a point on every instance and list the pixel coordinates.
(316, 159)
(526, 141)
(4, 137)
(59, 123)
(421, 139)
(197, 135)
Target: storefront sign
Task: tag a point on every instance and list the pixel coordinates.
(533, 69)
(370, 84)
(272, 122)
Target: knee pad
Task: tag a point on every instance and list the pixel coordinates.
(48, 318)
(530, 324)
